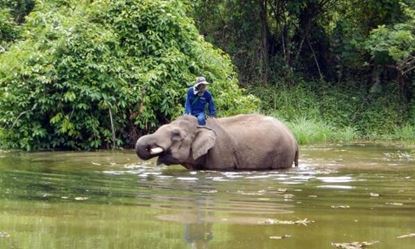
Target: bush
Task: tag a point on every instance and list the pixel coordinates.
(309, 131)
(288, 102)
(78, 63)
(404, 133)
(319, 112)
(8, 29)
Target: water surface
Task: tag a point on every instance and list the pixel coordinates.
(339, 193)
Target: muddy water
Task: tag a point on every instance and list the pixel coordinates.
(363, 193)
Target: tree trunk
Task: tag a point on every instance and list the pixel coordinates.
(264, 62)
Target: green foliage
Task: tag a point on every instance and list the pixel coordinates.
(288, 103)
(405, 133)
(319, 112)
(396, 43)
(308, 131)
(79, 60)
(233, 26)
(8, 29)
(342, 69)
(12, 13)
(18, 8)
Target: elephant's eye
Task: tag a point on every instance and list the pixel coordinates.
(176, 135)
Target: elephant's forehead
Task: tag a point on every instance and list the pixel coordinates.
(185, 121)
(187, 118)
(184, 124)
(177, 124)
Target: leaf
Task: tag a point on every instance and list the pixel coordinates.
(354, 245)
(81, 198)
(4, 235)
(69, 96)
(280, 237)
(304, 222)
(406, 236)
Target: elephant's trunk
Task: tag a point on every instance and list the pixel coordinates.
(146, 147)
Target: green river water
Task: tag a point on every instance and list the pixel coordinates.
(338, 194)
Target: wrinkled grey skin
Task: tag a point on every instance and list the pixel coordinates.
(243, 142)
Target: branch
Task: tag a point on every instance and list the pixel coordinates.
(112, 129)
(15, 121)
(299, 49)
(315, 59)
(408, 70)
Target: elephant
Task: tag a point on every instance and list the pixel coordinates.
(241, 142)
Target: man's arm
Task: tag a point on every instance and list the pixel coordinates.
(187, 105)
(211, 106)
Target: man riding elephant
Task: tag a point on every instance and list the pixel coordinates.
(196, 100)
(242, 142)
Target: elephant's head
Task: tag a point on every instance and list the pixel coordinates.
(180, 142)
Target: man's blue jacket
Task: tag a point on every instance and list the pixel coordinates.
(196, 104)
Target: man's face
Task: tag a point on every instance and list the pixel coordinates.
(201, 87)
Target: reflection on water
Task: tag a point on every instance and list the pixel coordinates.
(112, 200)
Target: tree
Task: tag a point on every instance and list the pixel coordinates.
(393, 46)
(83, 67)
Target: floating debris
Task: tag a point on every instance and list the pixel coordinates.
(4, 235)
(354, 245)
(263, 199)
(185, 178)
(335, 179)
(289, 196)
(340, 206)
(80, 198)
(406, 236)
(282, 190)
(260, 192)
(287, 222)
(258, 177)
(374, 194)
(394, 203)
(285, 236)
(335, 186)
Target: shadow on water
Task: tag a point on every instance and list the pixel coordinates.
(106, 199)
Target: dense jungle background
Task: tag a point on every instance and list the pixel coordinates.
(89, 74)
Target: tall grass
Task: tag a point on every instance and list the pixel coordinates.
(309, 131)
(320, 113)
(404, 133)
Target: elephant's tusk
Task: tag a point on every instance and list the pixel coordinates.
(156, 150)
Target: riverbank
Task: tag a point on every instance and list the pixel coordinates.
(318, 112)
(317, 131)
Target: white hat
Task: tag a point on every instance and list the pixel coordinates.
(200, 80)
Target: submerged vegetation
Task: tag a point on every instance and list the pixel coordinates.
(80, 74)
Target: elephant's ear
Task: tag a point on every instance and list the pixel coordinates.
(204, 140)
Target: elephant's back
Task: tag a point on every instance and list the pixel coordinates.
(258, 122)
(264, 136)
